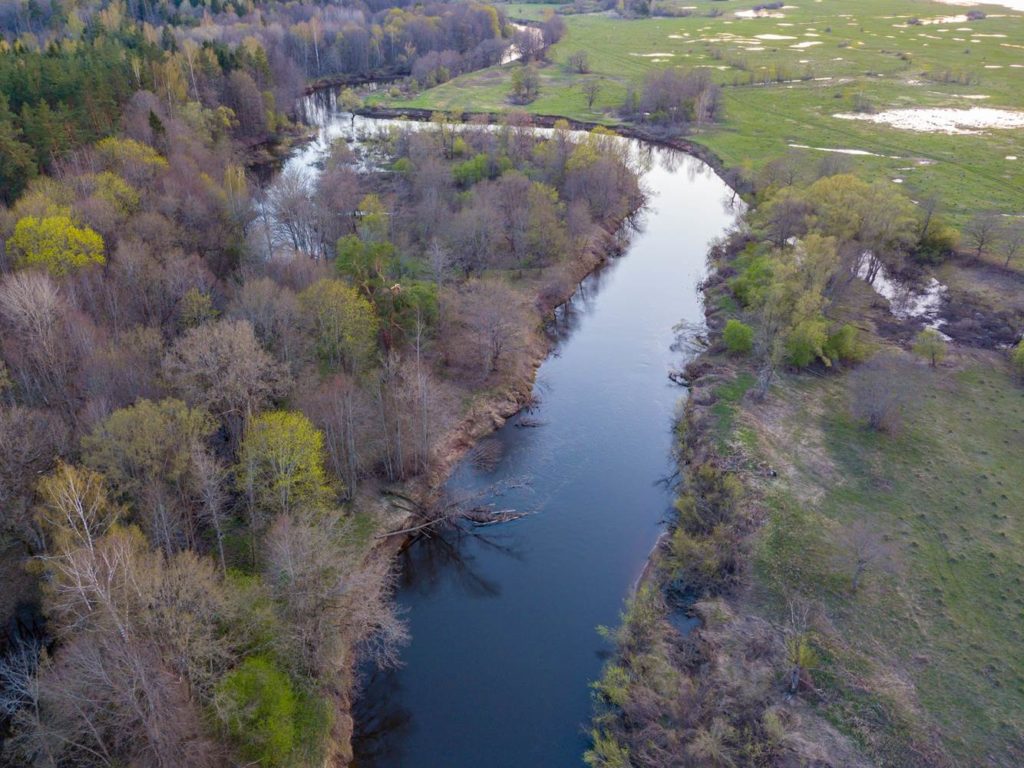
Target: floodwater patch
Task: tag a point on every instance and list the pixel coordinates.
(960, 18)
(775, 37)
(806, 44)
(940, 120)
(859, 152)
(907, 301)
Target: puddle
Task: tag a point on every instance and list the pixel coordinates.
(861, 152)
(762, 14)
(906, 301)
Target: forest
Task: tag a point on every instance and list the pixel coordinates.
(206, 379)
(69, 73)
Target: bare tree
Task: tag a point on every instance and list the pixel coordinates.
(579, 62)
(345, 413)
(330, 596)
(275, 316)
(529, 42)
(800, 651)
(209, 485)
(292, 212)
(31, 440)
(441, 260)
(485, 321)
(42, 340)
(222, 367)
(591, 87)
(863, 549)
(881, 390)
(553, 29)
(1011, 241)
(982, 232)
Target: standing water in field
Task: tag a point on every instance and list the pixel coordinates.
(504, 620)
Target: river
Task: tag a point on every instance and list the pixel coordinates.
(504, 623)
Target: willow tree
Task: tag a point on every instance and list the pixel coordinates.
(55, 244)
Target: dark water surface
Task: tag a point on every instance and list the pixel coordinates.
(504, 642)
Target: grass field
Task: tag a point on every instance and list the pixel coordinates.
(932, 642)
(830, 53)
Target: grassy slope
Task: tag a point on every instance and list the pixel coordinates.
(859, 54)
(937, 634)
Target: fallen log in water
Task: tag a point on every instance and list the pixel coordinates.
(480, 516)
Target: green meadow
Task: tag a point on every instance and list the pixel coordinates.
(931, 643)
(787, 75)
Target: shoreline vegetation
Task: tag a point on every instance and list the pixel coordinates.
(804, 532)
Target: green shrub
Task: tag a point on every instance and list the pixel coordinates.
(703, 563)
(613, 687)
(257, 704)
(1017, 361)
(844, 345)
(313, 721)
(750, 283)
(738, 337)
(606, 752)
(806, 342)
(938, 244)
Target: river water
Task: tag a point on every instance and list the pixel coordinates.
(504, 621)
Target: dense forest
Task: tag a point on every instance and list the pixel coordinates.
(70, 74)
(205, 381)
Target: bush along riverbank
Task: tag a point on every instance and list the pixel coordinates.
(696, 680)
(811, 601)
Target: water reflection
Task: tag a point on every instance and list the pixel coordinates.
(444, 555)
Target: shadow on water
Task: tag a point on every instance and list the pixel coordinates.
(443, 554)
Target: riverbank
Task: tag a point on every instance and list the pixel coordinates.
(850, 592)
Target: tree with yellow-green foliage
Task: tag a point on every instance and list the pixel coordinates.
(342, 322)
(1017, 361)
(281, 466)
(930, 345)
(56, 244)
